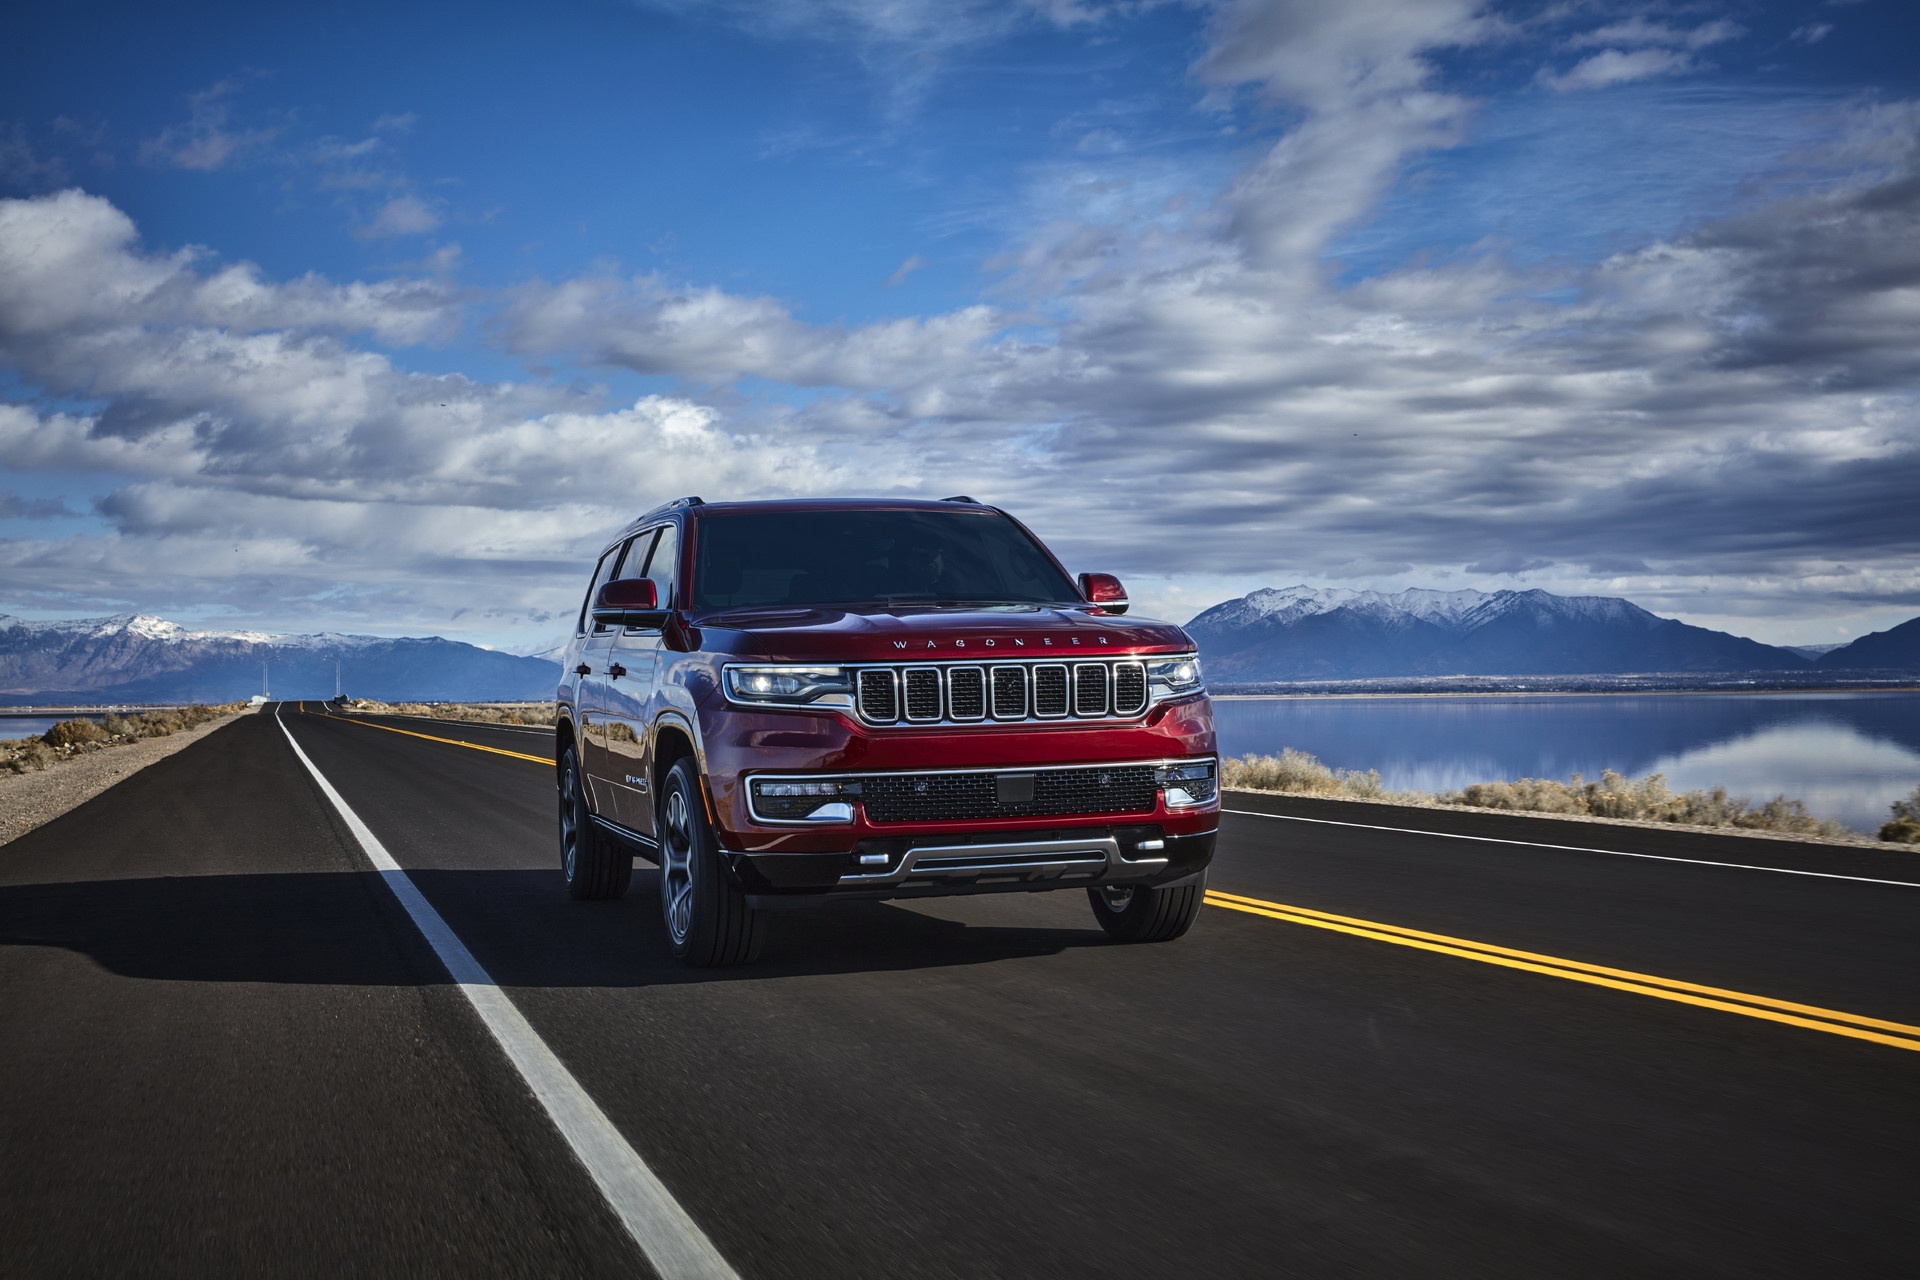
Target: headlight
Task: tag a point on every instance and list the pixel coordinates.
(1171, 677)
(798, 800)
(1187, 784)
(791, 686)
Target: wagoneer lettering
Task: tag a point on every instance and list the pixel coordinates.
(781, 703)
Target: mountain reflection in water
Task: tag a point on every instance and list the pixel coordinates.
(1848, 755)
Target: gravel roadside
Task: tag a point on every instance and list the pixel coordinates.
(29, 800)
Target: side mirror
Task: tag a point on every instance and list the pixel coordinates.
(1104, 590)
(629, 602)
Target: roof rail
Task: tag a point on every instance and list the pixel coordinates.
(961, 497)
(685, 502)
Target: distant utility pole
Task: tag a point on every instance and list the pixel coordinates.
(336, 679)
(265, 692)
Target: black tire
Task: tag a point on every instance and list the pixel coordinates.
(594, 864)
(709, 924)
(1143, 914)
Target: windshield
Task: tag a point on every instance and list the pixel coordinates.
(871, 557)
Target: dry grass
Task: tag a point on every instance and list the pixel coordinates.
(70, 738)
(475, 712)
(1647, 799)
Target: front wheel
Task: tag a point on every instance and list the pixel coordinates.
(592, 862)
(709, 924)
(1139, 913)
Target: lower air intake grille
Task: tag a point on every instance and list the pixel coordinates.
(960, 797)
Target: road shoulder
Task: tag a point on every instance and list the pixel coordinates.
(29, 800)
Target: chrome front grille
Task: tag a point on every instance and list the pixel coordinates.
(1003, 692)
(879, 695)
(923, 693)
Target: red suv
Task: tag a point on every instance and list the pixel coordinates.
(792, 702)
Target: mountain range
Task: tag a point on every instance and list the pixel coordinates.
(1332, 633)
(139, 658)
(1291, 633)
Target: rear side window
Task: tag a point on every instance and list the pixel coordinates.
(662, 567)
(604, 572)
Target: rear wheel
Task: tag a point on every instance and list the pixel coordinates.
(709, 924)
(1139, 913)
(594, 864)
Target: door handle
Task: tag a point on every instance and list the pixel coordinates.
(583, 670)
(616, 671)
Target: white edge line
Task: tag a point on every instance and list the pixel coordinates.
(1571, 848)
(672, 1242)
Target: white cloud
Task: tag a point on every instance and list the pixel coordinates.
(206, 140)
(1638, 31)
(1812, 32)
(913, 263)
(400, 216)
(1724, 416)
(1614, 66)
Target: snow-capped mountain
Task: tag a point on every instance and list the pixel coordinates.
(1332, 633)
(141, 658)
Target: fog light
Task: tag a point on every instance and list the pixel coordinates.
(803, 799)
(1186, 785)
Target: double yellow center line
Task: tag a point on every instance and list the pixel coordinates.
(1898, 1035)
(1812, 1017)
(498, 751)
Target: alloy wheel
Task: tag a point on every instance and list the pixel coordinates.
(676, 865)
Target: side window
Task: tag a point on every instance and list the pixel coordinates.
(603, 573)
(664, 565)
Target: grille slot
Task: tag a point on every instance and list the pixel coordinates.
(966, 693)
(923, 693)
(879, 696)
(1002, 691)
(1049, 692)
(959, 797)
(1009, 693)
(1090, 689)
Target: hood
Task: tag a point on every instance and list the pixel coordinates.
(904, 634)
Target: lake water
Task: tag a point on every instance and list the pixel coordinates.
(1847, 755)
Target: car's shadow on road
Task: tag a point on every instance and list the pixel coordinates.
(346, 928)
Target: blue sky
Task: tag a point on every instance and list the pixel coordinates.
(376, 318)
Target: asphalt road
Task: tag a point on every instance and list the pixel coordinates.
(225, 1049)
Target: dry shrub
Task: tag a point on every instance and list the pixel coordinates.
(1905, 827)
(1298, 771)
(1614, 795)
(30, 755)
(69, 734)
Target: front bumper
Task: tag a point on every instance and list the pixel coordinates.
(993, 862)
